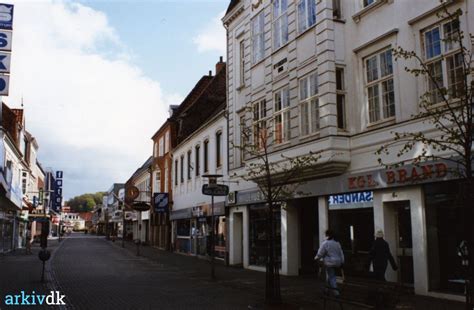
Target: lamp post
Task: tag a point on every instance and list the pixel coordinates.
(213, 189)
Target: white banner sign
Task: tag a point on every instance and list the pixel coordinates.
(5, 40)
(4, 83)
(5, 60)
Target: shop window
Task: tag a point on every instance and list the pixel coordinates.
(258, 237)
(354, 229)
(445, 226)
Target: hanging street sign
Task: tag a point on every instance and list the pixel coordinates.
(141, 206)
(6, 16)
(131, 193)
(160, 201)
(215, 190)
(4, 84)
(5, 40)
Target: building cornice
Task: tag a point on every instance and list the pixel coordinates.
(232, 15)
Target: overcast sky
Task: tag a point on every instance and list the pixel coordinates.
(97, 77)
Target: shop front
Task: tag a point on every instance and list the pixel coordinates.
(6, 231)
(351, 218)
(192, 230)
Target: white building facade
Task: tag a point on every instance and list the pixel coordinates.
(320, 76)
(202, 152)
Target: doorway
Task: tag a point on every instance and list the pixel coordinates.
(238, 256)
(309, 233)
(402, 238)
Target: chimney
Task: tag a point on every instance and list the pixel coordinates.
(210, 72)
(220, 65)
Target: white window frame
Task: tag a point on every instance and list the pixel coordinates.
(280, 23)
(241, 63)
(157, 181)
(304, 24)
(281, 108)
(309, 104)
(448, 52)
(161, 146)
(259, 125)
(258, 37)
(167, 142)
(341, 93)
(382, 109)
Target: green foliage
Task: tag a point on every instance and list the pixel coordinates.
(85, 202)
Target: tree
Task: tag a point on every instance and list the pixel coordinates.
(449, 109)
(278, 180)
(85, 202)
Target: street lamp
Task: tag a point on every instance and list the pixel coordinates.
(213, 189)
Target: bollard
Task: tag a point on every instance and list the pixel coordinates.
(43, 255)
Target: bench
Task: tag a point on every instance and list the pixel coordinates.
(365, 294)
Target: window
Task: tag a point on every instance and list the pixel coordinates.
(444, 61)
(309, 104)
(189, 165)
(379, 84)
(206, 155)
(336, 9)
(340, 99)
(157, 182)
(167, 142)
(166, 177)
(260, 124)
(160, 147)
(243, 139)
(241, 63)
(280, 23)
(24, 179)
(176, 172)
(218, 149)
(367, 2)
(281, 117)
(197, 150)
(306, 14)
(181, 167)
(258, 43)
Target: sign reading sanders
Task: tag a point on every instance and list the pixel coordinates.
(351, 200)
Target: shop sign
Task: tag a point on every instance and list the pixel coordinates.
(351, 200)
(160, 201)
(397, 177)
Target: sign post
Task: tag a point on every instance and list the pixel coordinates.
(213, 189)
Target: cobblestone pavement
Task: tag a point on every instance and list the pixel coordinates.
(98, 274)
(94, 274)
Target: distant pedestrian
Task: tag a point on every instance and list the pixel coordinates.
(380, 256)
(332, 257)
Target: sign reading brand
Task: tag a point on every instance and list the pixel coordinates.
(6, 16)
(401, 176)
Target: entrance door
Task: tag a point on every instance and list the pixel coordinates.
(238, 229)
(309, 233)
(404, 250)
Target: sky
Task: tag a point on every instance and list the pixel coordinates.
(97, 77)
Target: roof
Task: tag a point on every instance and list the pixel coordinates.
(143, 168)
(86, 216)
(232, 5)
(19, 116)
(210, 102)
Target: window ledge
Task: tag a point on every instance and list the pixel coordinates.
(381, 123)
(309, 136)
(241, 87)
(281, 145)
(280, 47)
(376, 4)
(302, 33)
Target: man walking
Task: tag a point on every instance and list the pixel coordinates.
(332, 256)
